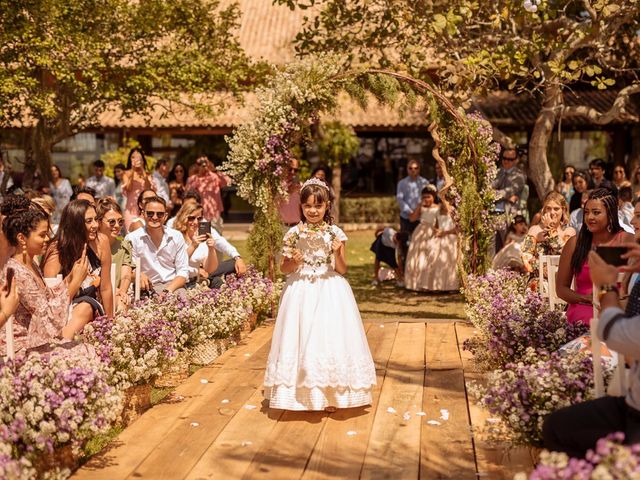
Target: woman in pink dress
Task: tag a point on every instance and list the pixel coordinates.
(134, 181)
(43, 311)
(600, 228)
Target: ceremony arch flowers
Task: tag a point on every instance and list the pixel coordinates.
(288, 111)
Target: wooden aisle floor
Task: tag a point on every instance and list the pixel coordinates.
(421, 426)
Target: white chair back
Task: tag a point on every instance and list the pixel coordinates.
(113, 285)
(543, 287)
(620, 374)
(137, 281)
(9, 332)
(553, 263)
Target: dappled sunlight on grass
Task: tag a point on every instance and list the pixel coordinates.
(387, 300)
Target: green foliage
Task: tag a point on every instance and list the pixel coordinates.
(369, 210)
(473, 46)
(65, 63)
(265, 241)
(337, 143)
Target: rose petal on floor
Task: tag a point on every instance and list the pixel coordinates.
(225, 401)
(250, 407)
(204, 380)
(351, 433)
(247, 443)
(406, 416)
(433, 422)
(194, 424)
(420, 414)
(391, 410)
(444, 414)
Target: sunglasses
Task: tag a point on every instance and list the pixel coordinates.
(158, 215)
(191, 218)
(509, 159)
(112, 222)
(414, 168)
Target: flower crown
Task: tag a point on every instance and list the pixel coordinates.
(315, 181)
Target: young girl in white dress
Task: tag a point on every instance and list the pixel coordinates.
(319, 358)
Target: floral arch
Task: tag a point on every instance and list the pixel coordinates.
(290, 107)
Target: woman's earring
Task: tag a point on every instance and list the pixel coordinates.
(609, 229)
(24, 253)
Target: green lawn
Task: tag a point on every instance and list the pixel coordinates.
(386, 301)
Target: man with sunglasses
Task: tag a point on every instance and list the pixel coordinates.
(162, 251)
(509, 185)
(409, 195)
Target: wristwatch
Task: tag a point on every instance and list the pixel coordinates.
(604, 289)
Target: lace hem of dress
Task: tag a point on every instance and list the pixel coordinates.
(357, 373)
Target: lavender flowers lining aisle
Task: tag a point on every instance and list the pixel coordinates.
(50, 401)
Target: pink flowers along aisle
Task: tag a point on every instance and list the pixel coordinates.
(54, 402)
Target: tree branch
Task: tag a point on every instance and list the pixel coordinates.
(616, 112)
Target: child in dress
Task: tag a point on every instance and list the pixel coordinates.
(319, 358)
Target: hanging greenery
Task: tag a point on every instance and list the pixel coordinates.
(260, 150)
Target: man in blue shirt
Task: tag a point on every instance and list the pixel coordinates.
(409, 194)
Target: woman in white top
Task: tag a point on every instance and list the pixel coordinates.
(201, 249)
(61, 192)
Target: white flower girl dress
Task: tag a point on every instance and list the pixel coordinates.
(319, 353)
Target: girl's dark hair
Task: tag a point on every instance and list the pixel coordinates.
(585, 237)
(321, 195)
(23, 220)
(141, 196)
(144, 159)
(172, 173)
(58, 169)
(72, 234)
(120, 166)
(429, 191)
(106, 205)
(582, 174)
(327, 172)
(14, 202)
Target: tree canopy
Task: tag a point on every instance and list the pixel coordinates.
(470, 47)
(64, 63)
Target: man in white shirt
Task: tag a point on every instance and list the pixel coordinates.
(160, 177)
(104, 186)
(162, 251)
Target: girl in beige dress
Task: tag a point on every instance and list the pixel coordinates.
(417, 263)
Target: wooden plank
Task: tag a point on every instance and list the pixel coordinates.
(339, 452)
(394, 444)
(232, 452)
(441, 348)
(287, 448)
(184, 444)
(126, 452)
(447, 449)
(501, 462)
(381, 342)
(256, 341)
(464, 331)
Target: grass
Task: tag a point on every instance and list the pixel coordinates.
(386, 301)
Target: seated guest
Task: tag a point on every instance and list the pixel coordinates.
(234, 265)
(11, 203)
(78, 239)
(581, 180)
(138, 221)
(550, 235)
(625, 207)
(43, 312)
(111, 221)
(201, 250)
(511, 254)
(577, 428)
(600, 227)
(162, 251)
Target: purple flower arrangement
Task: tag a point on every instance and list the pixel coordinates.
(52, 399)
(509, 319)
(610, 460)
(523, 393)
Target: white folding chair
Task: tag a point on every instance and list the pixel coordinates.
(543, 287)
(9, 332)
(620, 374)
(136, 287)
(553, 263)
(113, 285)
